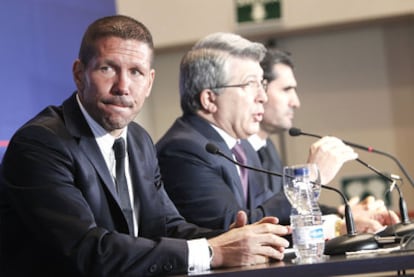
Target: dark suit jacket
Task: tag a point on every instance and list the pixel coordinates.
(60, 214)
(206, 188)
(271, 161)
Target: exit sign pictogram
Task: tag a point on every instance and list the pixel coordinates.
(257, 10)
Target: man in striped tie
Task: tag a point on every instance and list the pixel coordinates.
(222, 95)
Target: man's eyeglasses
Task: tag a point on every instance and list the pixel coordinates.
(253, 84)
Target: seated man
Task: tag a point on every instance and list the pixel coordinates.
(329, 153)
(223, 106)
(81, 192)
(220, 105)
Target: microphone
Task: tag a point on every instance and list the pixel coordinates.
(399, 229)
(339, 245)
(297, 132)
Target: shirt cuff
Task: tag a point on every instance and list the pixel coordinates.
(198, 255)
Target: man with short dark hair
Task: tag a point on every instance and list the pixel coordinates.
(329, 153)
(81, 192)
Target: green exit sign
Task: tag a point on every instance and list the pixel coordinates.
(257, 10)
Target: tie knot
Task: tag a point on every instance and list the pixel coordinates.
(119, 148)
(239, 153)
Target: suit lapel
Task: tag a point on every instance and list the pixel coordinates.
(78, 128)
(205, 129)
(275, 159)
(92, 152)
(270, 160)
(134, 155)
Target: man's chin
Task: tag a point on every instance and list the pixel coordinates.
(115, 124)
(287, 126)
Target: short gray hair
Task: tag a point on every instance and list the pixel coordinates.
(204, 66)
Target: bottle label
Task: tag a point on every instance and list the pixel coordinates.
(308, 234)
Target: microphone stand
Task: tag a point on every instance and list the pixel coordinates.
(297, 132)
(405, 226)
(351, 241)
(336, 246)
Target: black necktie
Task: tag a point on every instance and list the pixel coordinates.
(241, 158)
(121, 182)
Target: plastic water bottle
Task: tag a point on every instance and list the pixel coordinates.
(306, 221)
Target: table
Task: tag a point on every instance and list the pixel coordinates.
(334, 265)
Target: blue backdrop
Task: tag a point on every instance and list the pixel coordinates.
(39, 42)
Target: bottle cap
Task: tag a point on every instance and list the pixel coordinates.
(301, 171)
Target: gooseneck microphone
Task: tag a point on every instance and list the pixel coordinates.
(297, 132)
(350, 242)
(399, 229)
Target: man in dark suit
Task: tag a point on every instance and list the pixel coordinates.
(72, 205)
(329, 153)
(223, 106)
(222, 96)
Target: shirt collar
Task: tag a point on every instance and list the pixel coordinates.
(229, 140)
(257, 142)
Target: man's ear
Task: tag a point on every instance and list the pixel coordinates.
(208, 101)
(151, 82)
(78, 70)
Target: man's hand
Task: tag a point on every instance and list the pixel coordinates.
(330, 153)
(370, 214)
(362, 225)
(249, 244)
(241, 220)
